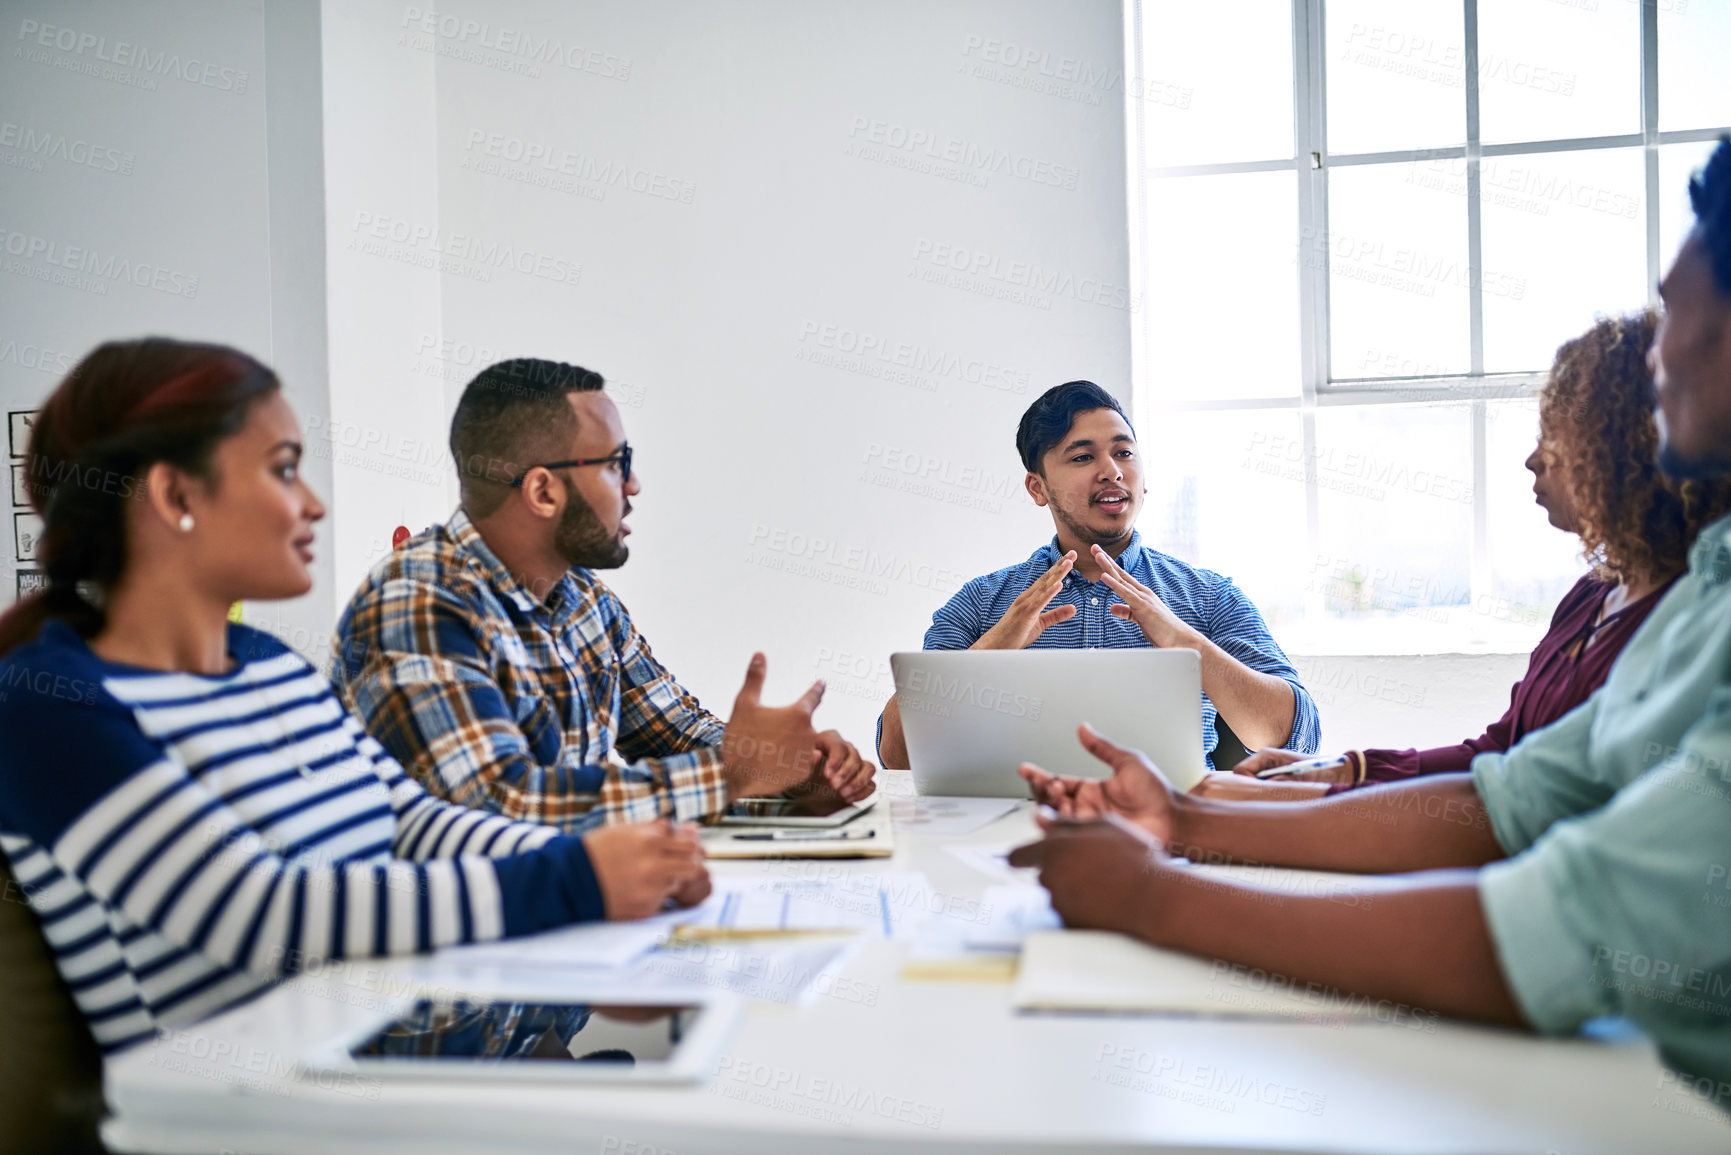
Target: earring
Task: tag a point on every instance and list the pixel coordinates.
(186, 523)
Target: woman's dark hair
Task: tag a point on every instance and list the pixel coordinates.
(1597, 430)
(1710, 197)
(1052, 414)
(127, 406)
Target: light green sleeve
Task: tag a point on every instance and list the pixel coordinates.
(1545, 777)
(1627, 911)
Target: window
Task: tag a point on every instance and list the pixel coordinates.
(1361, 232)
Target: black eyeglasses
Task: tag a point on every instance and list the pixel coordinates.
(623, 457)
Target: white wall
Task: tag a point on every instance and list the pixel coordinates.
(707, 308)
(160, 174)
(745, 242)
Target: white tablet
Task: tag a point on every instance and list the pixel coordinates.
(643, 1037)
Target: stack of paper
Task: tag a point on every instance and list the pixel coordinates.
(985, 948)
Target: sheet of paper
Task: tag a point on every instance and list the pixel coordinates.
(881, 903)
(949, 816)
(785, 970)
(982, 948)
(992, 862)
(1014, 912)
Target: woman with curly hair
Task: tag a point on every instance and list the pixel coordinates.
(1596, 474)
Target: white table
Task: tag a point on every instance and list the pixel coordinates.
(935, 1066)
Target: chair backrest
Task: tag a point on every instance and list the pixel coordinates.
(50, 1067)
(1228, 750)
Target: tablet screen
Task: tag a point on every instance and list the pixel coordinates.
(511, 1032)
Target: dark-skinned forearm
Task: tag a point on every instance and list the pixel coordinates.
(1432, 822)
(1259, 707)
(1425, 944)
(892, 747)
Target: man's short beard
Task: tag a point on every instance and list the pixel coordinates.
(1085, 535)
(582, 540)
(1679, 468)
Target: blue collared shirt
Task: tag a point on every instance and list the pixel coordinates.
(1203, 600)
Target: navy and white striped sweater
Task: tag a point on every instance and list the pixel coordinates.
(186, 841)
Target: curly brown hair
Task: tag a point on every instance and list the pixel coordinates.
(1597, 431)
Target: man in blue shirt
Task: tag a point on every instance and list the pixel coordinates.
(1096, 586)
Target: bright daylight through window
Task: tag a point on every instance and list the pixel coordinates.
(1362, 230)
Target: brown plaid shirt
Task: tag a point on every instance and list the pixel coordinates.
(551, 711)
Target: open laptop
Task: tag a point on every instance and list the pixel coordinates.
(971, 717)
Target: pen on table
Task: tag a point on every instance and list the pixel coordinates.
(805, 835)
(1301, 767)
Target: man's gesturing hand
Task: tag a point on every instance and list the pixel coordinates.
(1100, 872)
(1028, 617)
(768, 749)
(1136, 790)
(1143, 606)
(641, 865)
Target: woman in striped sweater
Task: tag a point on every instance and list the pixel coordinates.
(191, 813)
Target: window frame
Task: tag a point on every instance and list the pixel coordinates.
(1311, 161)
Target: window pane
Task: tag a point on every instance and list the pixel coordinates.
(1694, 43)
(1226, 491)
(1217, 82)
(1395, 74)
(1219, 258)
(1395, 495)
(1548, 71)
(1397, 259)
(1565, 239)
(1532, 563)
(1677, 163)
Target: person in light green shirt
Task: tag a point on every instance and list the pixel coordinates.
(1584, 873)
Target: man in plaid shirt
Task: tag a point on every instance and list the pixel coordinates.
(504, 675)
